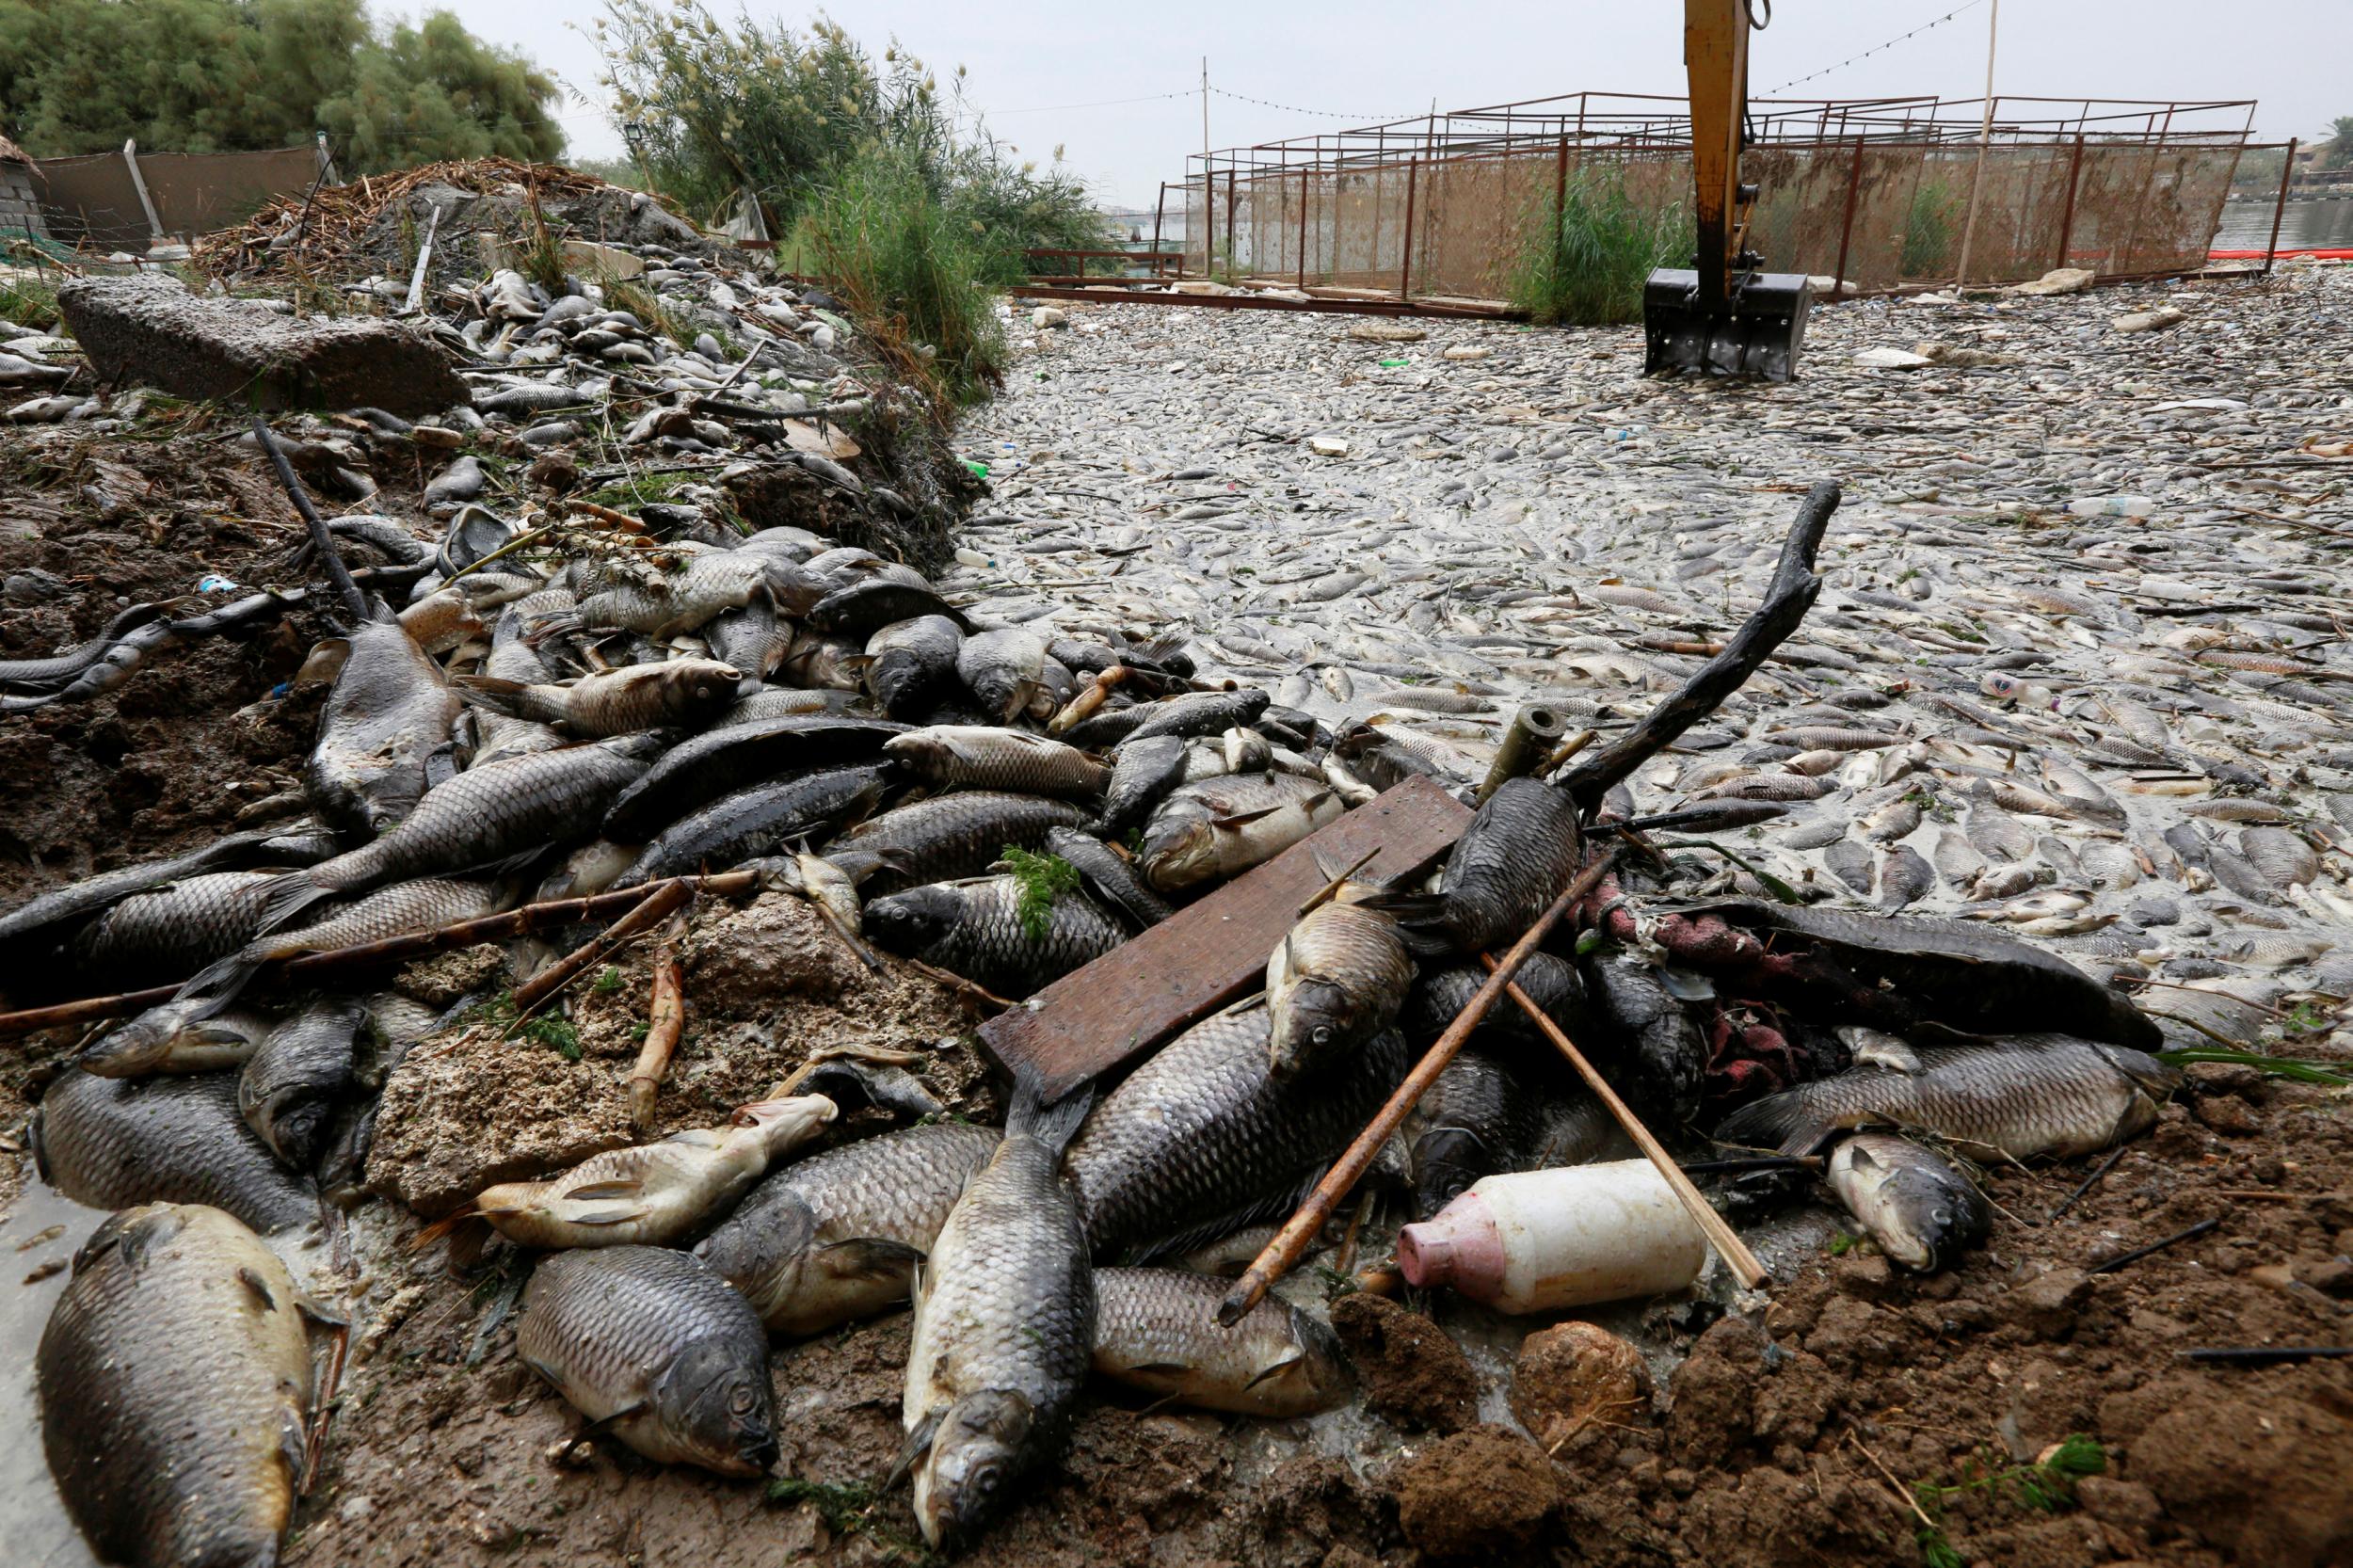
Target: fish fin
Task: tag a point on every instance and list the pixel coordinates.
(220, 982)
(1277, 1368)
(868, 1257)
(1052, 1125)
(293, 1447)
(607, 1216)
(1332, 884)
(260, 1287)
(441, 1227)
(604, 1424)
(1243, 819)
(1274, 1205)
(513, 700)
(284, 897)
(918, 1442)
(1156, 1368)
(618, 1188)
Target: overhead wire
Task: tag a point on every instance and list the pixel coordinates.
(1876, 49)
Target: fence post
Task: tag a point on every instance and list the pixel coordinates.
(1560, 188)
(1304, 178)
(1405, 267)
(1846, 233)
(2067, 219)
(1233, 239)
(1156, 208)
(139, 183)
(2279, 208)
(1208, 222)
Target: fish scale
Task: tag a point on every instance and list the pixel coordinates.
(176, 930)
(112, 1143)
(975, 928)
(1203, 1132)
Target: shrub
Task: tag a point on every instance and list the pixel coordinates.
(1588, 268)
(1932, 223)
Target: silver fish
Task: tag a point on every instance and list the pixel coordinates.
(291, 1083)
(1918, 1206)
(976, 757)
(190, 1036)
(1157, 1330)
(389, 711)
(1337, 979)
(1222, 827)
(976, 928)
(112, 1143)
(685, 692)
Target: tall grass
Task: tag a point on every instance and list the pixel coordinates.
(915, 268)
(28, 303)
(1588, 268)
(1932, 223)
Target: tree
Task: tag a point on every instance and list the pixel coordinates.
(232, 75)
(2337, 151)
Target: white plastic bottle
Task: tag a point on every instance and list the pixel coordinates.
(1536, 1241)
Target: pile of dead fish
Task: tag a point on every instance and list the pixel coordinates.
(606, 710)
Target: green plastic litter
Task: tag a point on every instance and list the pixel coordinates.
(1395, 365)
(980, 471)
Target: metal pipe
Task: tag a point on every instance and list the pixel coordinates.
(1304, 178)
(2279, 208)
(2066, 220)
(1156, 208)
(1846, 235)
(1405, 267)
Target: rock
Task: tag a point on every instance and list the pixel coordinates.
(1410, 1371)
(1467, 351)
(1047, 315)
(1476, 1493)
(1964, 359)
(2045, 1305)
(1382, 329)
(1327, 447)
(2065, 280)
(1892, 359)
(2149, 321)
(149, 329)
(1574, 1382)
(2124, 1503)
(2227, 1114)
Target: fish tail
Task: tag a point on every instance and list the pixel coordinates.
(220, 983)
(287, 896)
(1052, 1124)
(514, 699)
(1781, 1121)
(441, 1227)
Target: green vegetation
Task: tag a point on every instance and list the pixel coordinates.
(28, 303)
(233, 75)
(1589, 268)
(859, 167)
(1044, 878)
(2337, 151)
(1931, 225)
(2296, 1069)
(2047, 1485)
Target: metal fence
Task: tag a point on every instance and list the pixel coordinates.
(95, 201)
(1874, 192)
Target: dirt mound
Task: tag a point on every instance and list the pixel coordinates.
(1410, 1371)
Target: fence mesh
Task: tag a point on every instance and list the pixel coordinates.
(1874, 192)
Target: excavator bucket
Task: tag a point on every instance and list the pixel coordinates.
(1757, 334)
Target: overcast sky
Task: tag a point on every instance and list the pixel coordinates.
(1375, 59)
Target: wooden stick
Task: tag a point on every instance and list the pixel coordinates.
(665, 1022)
(1787, 598)
(315, 1446)
(1728, 1245)
(322, 539)
(464, 934)
(664, 898)
(1291, 1244)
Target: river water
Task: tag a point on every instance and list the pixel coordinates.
(2303, 226)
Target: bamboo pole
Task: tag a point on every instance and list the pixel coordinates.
(1720, 1235)
(1291, 1244)
(652, 907)
(665, 1020)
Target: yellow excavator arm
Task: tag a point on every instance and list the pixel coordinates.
(1723, 316)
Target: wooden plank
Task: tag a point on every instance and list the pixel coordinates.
(1136, 996)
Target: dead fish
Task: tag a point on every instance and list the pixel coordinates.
(1004, 1329)
(983, 929)
(750, 638)
(696, 772)
(1005, 670)
(816, 660)
(653, 1194)
(237, 851)
(2020, 1095)
(654, 1345)
(1157, 1330)
(389, 711)
(1203, 1137)
(826, 887)
(174, 1377)
(1918, 1206)
(1442, 990)
(1905, 878)
(1109, 876)
(1222, 827)
(426, 904)
(1337, 978)
(1144, 772)
(688, 693)
(758, 820)
(1520, 850)
(291, 1084)
(669, 604)
(175, 1037)
(1487, 1114)
(1768, 786)
(1850, 863)
(862, 608)
(1996, 834)
(839, 1235)
(174, 931)
(910, 664)
(479, 818)
(112, 1143)
(977, 756)
(952, 835)
(2280, 857)
(1192, 713)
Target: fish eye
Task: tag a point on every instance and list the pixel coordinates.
(1323, 1034)
(740, 1400)
(985, 1479)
